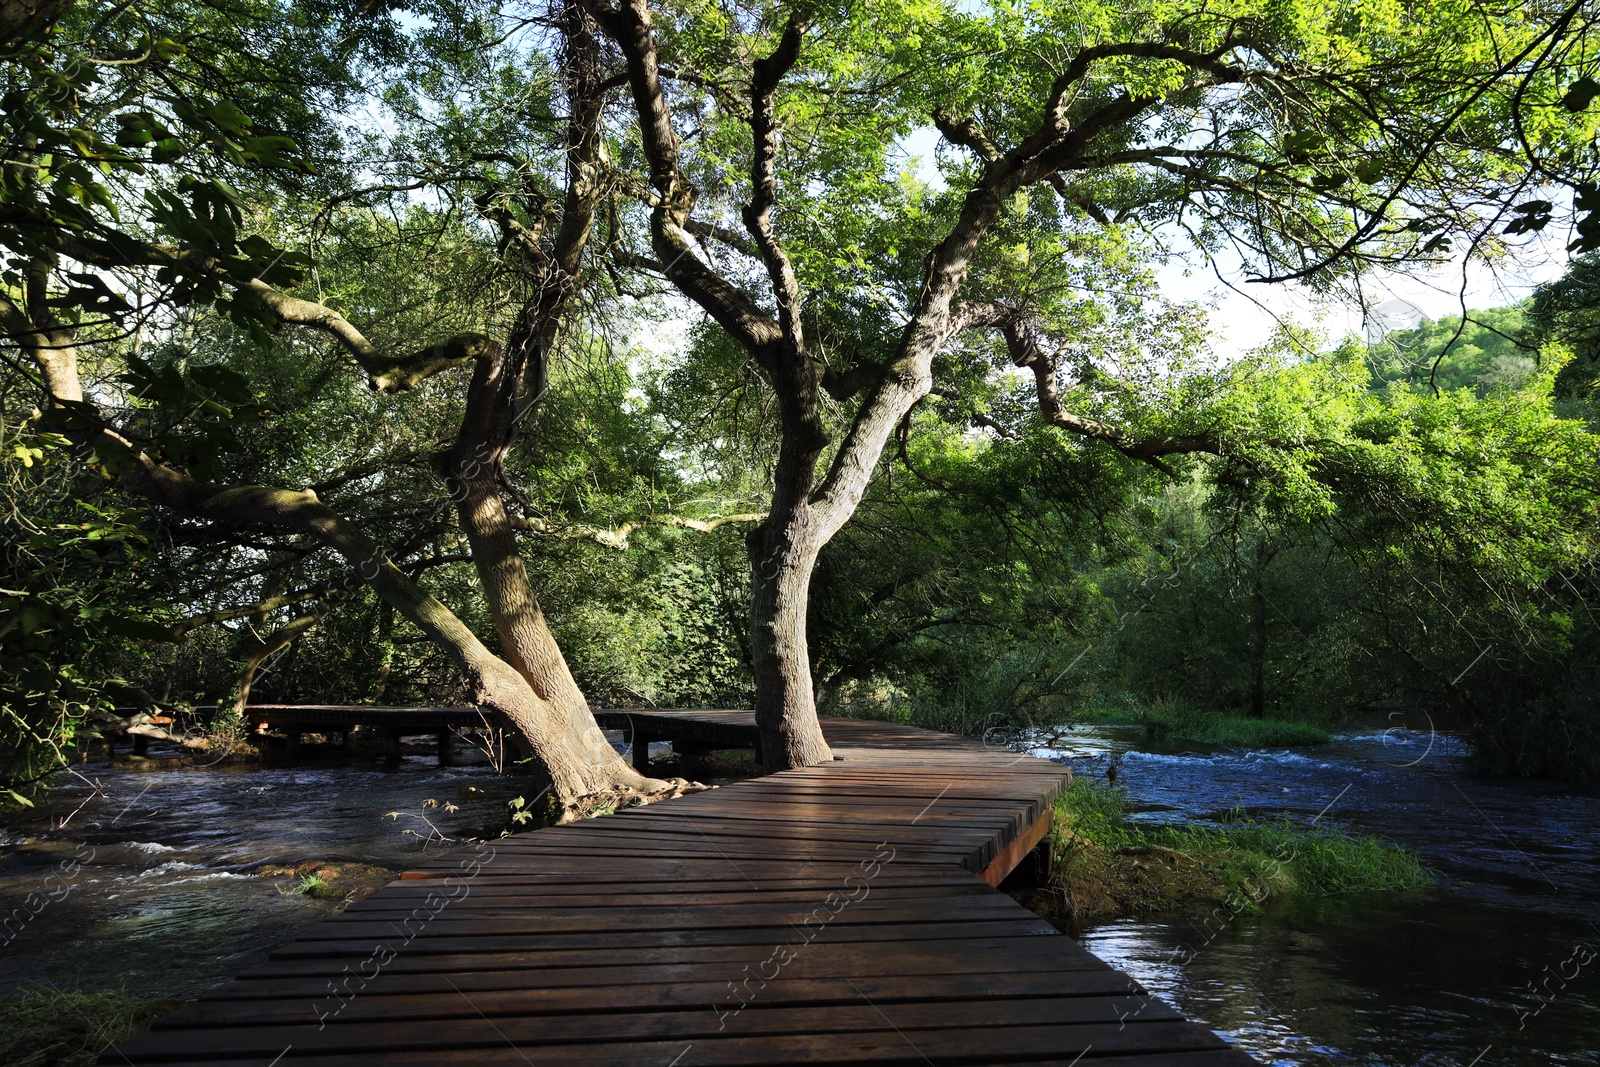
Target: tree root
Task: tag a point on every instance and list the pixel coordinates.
(618, 798)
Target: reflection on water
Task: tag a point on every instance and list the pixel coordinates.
(1498, 965)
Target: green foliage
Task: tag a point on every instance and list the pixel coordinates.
(1351, 547)
(69, 608)
(1493, 350)
(1280, 857)
(1188, 725)
(126, 122)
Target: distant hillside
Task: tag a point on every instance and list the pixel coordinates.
(1484, 356)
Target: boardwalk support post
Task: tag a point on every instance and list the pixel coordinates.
(641, 752)
(391, 748)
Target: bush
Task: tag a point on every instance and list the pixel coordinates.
(1101, 866)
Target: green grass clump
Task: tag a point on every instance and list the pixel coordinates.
(46, 1028)
(312, 885)
(1232, 730)
(1320, 860)
(1176, 720)
(1102, 866)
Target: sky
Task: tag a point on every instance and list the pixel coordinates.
(1246, 314)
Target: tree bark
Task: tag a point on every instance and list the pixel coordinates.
(266, 647)
(24, 18)
(781, 562)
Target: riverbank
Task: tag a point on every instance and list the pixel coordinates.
(1176, 722)
(1102, 867)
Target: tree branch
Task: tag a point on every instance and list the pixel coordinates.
(757, 213)
(387, 374)
(618, 538)
(628, 24)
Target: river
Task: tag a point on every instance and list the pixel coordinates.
(1497, 966)
(150, 882)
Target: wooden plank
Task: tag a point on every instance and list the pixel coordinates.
(356, 949)
(508, 970)
(1083, 1019)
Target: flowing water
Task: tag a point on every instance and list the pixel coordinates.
(1497, 966)
(153, 885)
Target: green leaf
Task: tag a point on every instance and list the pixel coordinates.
(1580, 94)
(1369, 171)
(1300, 146)
(272, 152)
(228, 117)
(92, 294)
(1535, 216)
(227, 383)
(167, 149)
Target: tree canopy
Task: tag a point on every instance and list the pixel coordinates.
(349, 312)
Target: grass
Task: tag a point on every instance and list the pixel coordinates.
(328, 879)
(312, 885)
(46, 1028)
(1234, 731)
(1103, 867)
(1177, 722)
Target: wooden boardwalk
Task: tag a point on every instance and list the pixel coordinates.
(834, 915)
(389, 723)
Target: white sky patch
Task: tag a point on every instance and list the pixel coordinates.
(1246, 313)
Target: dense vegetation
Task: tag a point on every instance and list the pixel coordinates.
(451, 374)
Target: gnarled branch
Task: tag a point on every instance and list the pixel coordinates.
(618, 538)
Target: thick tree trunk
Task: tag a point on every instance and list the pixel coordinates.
(780, 587)
(527, 643)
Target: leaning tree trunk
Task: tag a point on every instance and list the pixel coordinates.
(507, 385)
(266, 648)
(530, 648)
